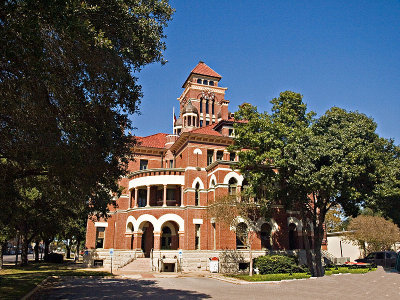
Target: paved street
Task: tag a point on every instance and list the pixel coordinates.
(11, 258)
(374, 285)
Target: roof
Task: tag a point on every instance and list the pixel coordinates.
(157, 140)
(207, 130)
(203, 69)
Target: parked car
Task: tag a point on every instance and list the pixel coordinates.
(382, 258)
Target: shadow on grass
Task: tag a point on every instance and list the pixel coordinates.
(113, 288)
(17, 281)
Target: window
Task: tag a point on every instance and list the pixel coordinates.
(170, 194)
(220, 155)
(211, 83)
(100, 237)
(201, 123)
(207, 123)
(380, 255)
(197, 237)
(142, 197)
(197, 194)
(232, 156)
(205, 81)
(166, 239)
(201, 105)
(207, 107)
(231, 132)
(198, 80)
(232, 184)
(210, 154)
(143, 164)
(241, 235)
(266, 236)
(189, 121)
(212, 107)
(171, 163)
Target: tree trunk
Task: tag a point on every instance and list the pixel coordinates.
(17, 250)
(307, 248)
(36, 251)
(68, 247)
(251, 261)
(78, 242)
(317, 250)
(24, 248)
(46, 247)
(1, 255)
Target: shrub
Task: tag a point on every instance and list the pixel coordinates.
(275, 264)
(54, 258)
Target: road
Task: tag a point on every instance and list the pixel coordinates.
(373, 285)
(11, 258)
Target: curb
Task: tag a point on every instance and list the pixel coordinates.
(37, 287)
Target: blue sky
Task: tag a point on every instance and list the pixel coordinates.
(335, 53)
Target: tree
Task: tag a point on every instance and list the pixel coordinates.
(311, 164)
(67, 88)
(335, 219)
(372, 233)
(240, 214)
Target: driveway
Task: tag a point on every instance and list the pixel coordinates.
(373, 285)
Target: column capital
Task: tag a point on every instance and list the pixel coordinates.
(157, 233)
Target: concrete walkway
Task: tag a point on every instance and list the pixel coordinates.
(373, 285)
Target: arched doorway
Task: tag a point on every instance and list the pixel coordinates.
(147, 238)
(129, 229)
(241, 236)
(266, 236)
(292, 236)
(169, 236)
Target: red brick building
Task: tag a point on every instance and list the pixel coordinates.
(173, 179)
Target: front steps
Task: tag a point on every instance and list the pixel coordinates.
(139, 265)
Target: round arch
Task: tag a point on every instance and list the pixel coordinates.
(271, 222)
(197, 151)
(198, 180)
(169, 217)
(213, 178)
(170, 226)
(145, 218)
(235, 175)
(295, 221)
(130, 220)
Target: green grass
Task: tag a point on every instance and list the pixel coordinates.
(15, 282)
(286, 276)
(348, 270)
(271, 277)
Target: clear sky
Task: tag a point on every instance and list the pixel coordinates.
(335, 53)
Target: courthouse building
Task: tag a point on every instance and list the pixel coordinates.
(174, 177)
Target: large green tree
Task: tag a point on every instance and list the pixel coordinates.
(67, 87)
(311, 164)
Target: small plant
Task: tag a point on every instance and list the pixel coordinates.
(278, 264)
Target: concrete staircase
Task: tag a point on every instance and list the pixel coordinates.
(139, 265)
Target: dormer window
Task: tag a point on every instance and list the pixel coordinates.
(205, 81)
(211, 83)
(198, 80)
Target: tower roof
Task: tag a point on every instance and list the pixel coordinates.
(203, 69)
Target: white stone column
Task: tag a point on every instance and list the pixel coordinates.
(165, 196)
(182, 188)
(136, 194)
(148, 196)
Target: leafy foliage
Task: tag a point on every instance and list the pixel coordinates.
(275, 264)
(373, 233)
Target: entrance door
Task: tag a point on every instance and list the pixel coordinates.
(147, 239)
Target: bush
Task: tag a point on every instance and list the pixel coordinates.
(277, 264)
(54, 258)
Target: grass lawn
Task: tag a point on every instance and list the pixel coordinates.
(16, 282)
(279, 277)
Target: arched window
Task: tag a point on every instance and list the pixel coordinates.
(198, 80)
(205, 81)
(232, 184)
(166, 239)
(266, 236)
(201, 105)
(212, 107)
(292, 236)
(197, 194)
(241, 235)
(207, 107)
(211, 83)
